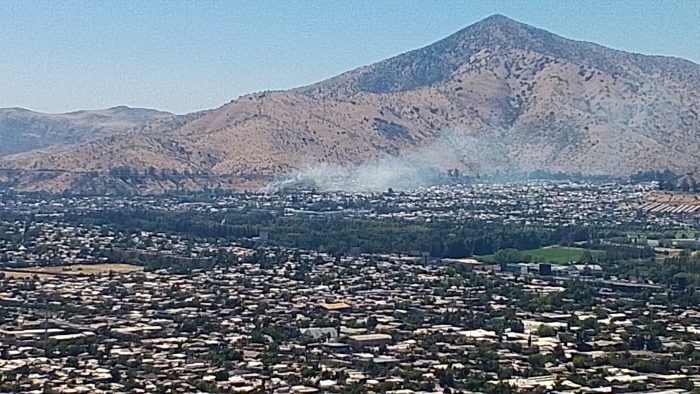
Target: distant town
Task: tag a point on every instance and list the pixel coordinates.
(540, 286)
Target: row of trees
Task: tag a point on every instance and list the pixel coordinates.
(341, 235)
(668, 180)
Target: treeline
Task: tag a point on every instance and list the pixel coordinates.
(609, 253)
(682, 271)
(668, 180)
(131, 173)
(439, 239)
(341, 235)
(188, 223)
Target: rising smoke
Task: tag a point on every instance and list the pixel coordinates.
(412, 169)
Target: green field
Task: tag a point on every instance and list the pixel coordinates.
(551, 254)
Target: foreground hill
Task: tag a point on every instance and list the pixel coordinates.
(496, 96)
(23, 130)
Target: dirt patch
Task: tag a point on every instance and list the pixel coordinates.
(77, 269)
(673, 198)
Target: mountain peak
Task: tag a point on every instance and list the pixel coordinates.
(497, 33)
(488, 33)
(501, 23)
(120, 108)
(438, 61)
(497, 19)
(498, 95)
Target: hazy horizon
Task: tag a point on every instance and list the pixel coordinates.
(187, 56)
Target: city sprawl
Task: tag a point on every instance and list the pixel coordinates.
(525, 287)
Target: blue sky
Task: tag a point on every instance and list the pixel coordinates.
(183, 56)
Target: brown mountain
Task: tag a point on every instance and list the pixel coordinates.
(497, 95)
(23, 130)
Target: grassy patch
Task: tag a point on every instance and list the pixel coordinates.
(549, 254)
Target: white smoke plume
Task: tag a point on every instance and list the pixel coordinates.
(470, 154)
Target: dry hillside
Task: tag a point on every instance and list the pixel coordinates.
(23, 130)
(510, 96)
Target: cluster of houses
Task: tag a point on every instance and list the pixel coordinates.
(536, 203)
(306, 322)
(272, 319)
(531, 203)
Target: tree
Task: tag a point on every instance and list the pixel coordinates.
(580, 362)
(509, 256)
(559, 354)
(221, 375)
(546, 331)
(371, 322)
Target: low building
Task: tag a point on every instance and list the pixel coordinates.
(358, 341)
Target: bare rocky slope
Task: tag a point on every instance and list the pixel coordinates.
(500, 95)
(23, 130)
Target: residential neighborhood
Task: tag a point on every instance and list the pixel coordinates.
(90, 307)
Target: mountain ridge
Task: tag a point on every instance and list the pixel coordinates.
(22, 129)
(500, 30)
(510, 96)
